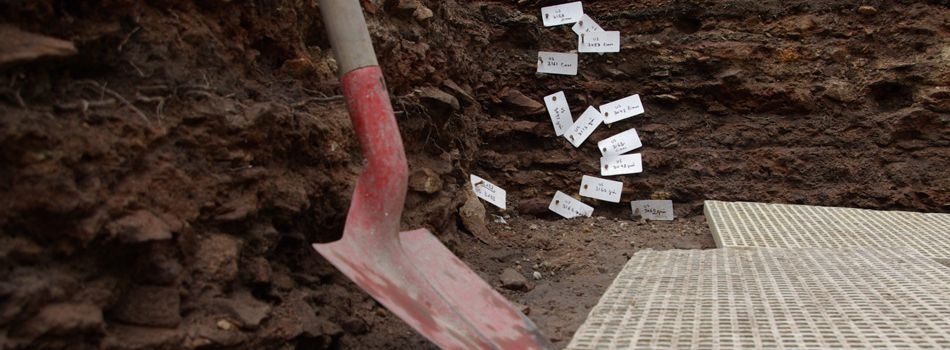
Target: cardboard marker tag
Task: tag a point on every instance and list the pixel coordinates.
(568, 207)
(560, 112)
(653, 209)
(602, 189)
(619, 165)
(622, 109)
(586, 25)
(557, 63)
(620, 143)
(488, 191)
(562, 14)
(584, 126)
(599, 42)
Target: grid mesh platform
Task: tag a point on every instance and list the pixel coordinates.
(743, 224)
(773, 298)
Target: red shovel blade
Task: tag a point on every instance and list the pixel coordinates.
(412, 273)
(433, 291)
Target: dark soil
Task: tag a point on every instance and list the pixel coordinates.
(160, 187)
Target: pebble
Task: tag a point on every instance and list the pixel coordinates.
(537, 275)
(511, 279)
(867, 10)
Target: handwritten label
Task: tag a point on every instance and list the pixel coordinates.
(620, 143)
(488, 191)
(568, 207)
(619, 165)
(560, 112)
(584, 126)
(557, 63)
(622, 109)
(562, 14)
(602, 189)
(653, 209)
(586, 25)
(599, 42)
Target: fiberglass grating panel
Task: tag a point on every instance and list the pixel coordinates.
(803, 298)
(745, 224)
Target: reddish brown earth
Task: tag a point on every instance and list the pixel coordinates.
(165, 164)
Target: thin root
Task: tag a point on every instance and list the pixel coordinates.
(160, 100)
(318, 99)
(117, 96)
(128, 37)
(84, 105)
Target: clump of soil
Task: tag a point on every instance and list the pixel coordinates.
(164, 165)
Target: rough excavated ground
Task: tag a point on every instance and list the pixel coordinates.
(160, 187)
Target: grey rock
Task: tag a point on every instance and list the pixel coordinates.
(512, 279)
(140, 226)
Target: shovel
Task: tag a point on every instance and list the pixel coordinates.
(411, 273)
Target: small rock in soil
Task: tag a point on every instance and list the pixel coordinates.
(518, 99)
(442, 98)
(422, 13)
(425, 180)
(500, 220)
(405, 7)
(140, 226)
(211, 332)
(473, 218)
(867, 10)
(149, 306)
(63, 319)
(459, 91)
(537, 275)
(666, 98)
(217, 257)
(246, 311)
(512, 279)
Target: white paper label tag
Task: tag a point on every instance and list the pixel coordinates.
(586, 25)
(599, 42)
(622, 109)
(584, 126)
(602, 189)
(653, 209)
(562, 14)
(488, 191)
(557, 63)
(568, 207)
(619, 165)
(560, 112)
(620, 143)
